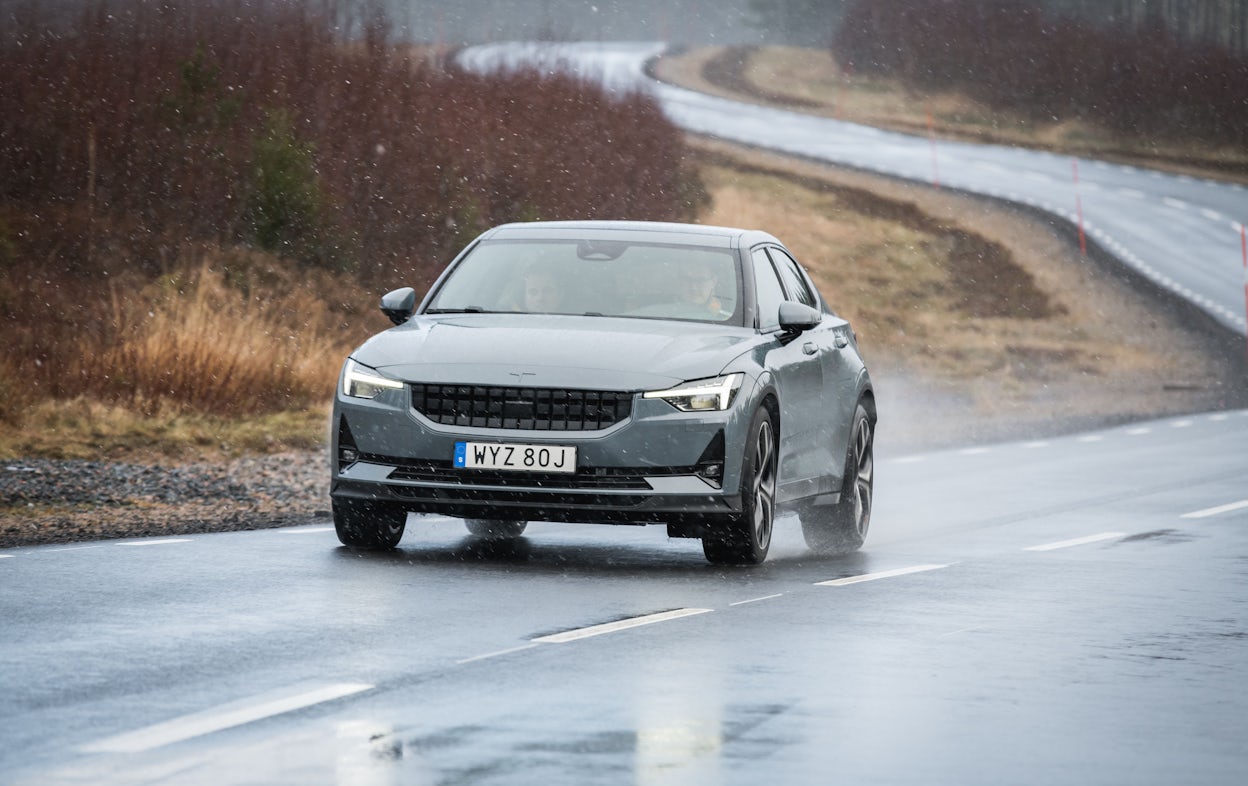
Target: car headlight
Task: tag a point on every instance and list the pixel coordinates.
(702, 395)
(363, 382)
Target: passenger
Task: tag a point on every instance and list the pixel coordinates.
(697, 283)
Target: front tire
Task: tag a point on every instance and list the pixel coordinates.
(842, 528)
(363, 524)
(495, 529)
(745, 538)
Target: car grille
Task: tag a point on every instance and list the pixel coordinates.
(538, 409)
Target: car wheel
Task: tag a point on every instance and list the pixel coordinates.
(745, 538)
(495, 529)
(842, 528)
(368, 525)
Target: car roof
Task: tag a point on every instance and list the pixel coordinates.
(637, 231)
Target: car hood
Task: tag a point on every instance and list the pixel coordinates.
(553, 351)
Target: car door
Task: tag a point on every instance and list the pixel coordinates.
(797, 374)
(837, 396)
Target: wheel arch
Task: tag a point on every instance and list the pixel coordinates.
(867, 399)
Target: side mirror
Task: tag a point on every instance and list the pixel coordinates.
(399, 304)
(797, 317)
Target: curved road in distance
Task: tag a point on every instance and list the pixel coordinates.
(1182, 233)
(1025, 613)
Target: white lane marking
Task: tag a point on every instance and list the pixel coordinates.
(1135, 432)
(612, 627)
(155, 542)
(305, 531)
(1207, 512)
(885, 574)
(1064, 544)
(1218, 418)
(1091, 438)
(1181, 424)
(1212, 215)
(1178, 204)
(1131, 192)
(201, 723)
(974, 451)
(756, 600)
(1035, 445)
(963, 630)
(496, 654)
(6, 556)
(78, 548)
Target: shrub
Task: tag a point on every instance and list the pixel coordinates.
(258, 120)
(283, 194)
(1012, 54)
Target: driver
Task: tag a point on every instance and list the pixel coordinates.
(697, 282)
(542, 290)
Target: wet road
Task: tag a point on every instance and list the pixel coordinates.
(1073, 610)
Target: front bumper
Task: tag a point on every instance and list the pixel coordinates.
(650, 468)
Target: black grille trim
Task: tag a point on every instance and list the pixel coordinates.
(585, 478)
(536, 409)
(543, 499)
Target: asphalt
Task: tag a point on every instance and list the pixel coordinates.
(1069, 609)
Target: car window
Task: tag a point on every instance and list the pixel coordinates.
(641, 280)
(767, 288)
(794, 282)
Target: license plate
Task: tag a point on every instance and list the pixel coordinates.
(514, 456)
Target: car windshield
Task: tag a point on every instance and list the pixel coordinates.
(600, 278)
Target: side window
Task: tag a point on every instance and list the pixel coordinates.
(793, 279)
(767, 288)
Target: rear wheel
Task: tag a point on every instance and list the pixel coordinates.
(745, 538)
(842, 528)
(363, 524)
(495, 529)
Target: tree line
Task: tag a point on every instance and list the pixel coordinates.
(1220, 23)
(1145, 81)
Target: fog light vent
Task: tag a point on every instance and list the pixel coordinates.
(712, 473)
(348, 453)
(711, 462)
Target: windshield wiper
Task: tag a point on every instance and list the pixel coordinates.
(464, 310)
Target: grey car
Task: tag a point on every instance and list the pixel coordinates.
(610, 372)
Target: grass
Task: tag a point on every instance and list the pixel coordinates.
(87, 429)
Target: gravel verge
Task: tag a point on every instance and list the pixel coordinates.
(45, 501)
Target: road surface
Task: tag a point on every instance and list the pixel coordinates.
(1067, 611)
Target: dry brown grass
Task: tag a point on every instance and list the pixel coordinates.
(231, 351)
(209, 345)
(83, 428)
